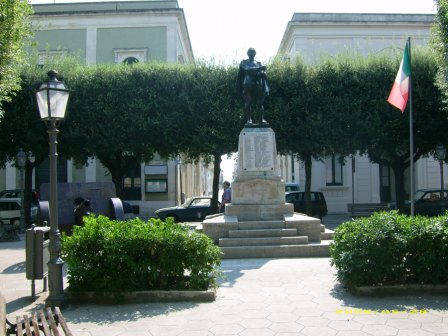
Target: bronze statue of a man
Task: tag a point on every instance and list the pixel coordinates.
(253, 85)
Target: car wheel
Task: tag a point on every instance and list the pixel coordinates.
(174, 218)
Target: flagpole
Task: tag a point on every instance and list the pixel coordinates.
(411, 134)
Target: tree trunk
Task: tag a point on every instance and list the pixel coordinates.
(117, 179)
(308, 166)
(216, 173)
(399, 185)
(28, 181)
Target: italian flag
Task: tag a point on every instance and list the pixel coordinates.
(399, 94)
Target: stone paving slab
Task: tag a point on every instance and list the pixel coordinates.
(281, 297)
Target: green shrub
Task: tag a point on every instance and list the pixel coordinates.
(390, 248)
(427, 258)
(110, 256)
(370, 251)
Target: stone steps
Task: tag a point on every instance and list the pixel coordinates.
(327, 235)
(263, 241)
(266, 224)
(262, 233)
(270, 239)
(277, 251)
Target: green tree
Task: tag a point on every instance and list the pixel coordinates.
(21, 127)
(313, 108)
(14, 33)
(440, 44)
(123, 115)
(213, 117)
(288, 111)
(385, 130)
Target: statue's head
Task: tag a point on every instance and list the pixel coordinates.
(251, 52)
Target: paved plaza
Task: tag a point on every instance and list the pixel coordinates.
(255, 297)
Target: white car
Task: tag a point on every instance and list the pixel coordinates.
(10, 211)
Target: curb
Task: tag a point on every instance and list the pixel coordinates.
(141, 296)
(398, 290)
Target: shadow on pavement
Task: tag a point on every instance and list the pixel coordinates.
(384, 305)
(15, 269)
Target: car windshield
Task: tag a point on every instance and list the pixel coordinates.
(187, 203)
(419, 194)
(428, 195)
(196, 202)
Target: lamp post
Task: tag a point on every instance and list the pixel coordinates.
(441, 154)
(20, 162)
(52, 98)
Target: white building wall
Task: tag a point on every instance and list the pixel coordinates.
(11, 176)
(428, 173)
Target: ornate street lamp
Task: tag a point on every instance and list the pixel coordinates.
(52, 98)
(20, 162)
(441, 154)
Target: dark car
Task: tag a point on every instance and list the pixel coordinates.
(16, 193)
(194, 209)
(427, 202)
(318, 203)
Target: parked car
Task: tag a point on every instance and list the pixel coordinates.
(194, 209)
(318, 203)
(16, 193)
(427, 202)
(291, 187)
(10, 211)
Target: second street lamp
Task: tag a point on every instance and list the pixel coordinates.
(52, 98)
(20, 162)
(441, 155)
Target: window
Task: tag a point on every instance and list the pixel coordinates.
(130, 60)
(334, 165)
(201, 202)
(130, 56)
(157, 186)
(132, 183)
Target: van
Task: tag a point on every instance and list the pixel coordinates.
(10, 211)
(318, 203)
(291, 187)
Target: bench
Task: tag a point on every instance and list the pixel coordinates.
(46, 322)
(365, 209)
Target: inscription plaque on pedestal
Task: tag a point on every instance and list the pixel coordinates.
(258, 148)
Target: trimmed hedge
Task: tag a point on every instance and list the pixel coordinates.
(113, 256)
(390, 248)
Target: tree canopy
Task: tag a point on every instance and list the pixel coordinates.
(125, 114)
(14, 33)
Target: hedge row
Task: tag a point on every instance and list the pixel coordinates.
(389, 248)
(112, 256)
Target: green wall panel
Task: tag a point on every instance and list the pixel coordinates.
(72, 39)
(153, 38)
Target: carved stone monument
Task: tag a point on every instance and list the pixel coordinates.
(258, 223)
(258, 192)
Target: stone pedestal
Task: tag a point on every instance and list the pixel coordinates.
(258, 222)
(258, 192)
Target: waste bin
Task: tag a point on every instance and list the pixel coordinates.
(37, 255)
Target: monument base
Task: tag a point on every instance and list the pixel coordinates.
(259, 223)
(259, 212)
(262, 191)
